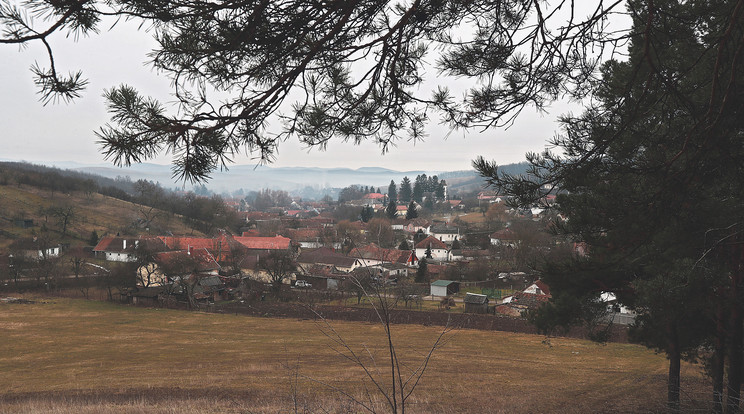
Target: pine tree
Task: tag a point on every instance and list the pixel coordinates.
(391, 211)
(422, 273)
(643, 176)
(411, 213)
(392, 191)
(404, 195)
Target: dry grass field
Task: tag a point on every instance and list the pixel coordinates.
(74, 356)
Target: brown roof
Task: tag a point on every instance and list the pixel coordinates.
(505, 234)
(306, 234)
(431, 241)
(201, 258)
(325, 256)
(375, 252)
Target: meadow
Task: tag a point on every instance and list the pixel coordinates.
(63, 355)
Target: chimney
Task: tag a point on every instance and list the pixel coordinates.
(191, 250)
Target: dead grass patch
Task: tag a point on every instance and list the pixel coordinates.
(84, 356)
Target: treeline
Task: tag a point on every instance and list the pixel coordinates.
(200, 213)
(64, 181)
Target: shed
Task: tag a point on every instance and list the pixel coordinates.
(444, 287)
(475, 303)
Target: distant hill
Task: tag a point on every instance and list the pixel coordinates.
(309, 182)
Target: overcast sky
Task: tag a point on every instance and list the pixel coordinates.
(64, 131)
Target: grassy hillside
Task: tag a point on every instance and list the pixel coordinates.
(92, 211)
(74, 356)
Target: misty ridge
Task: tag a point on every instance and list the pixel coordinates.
(306, 182)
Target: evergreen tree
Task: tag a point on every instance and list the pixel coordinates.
(427, 253)
(440, 191)
(391, 211)
(93, 239)
(405, 193)
(419, 188)
(412, 213)
(422, 273)
(644, 174)
(367, 214)
(456, 244)
(404, 245)
(392, 191)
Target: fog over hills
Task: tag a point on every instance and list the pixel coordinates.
(295, 180)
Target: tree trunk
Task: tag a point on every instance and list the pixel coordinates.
(718, 360)
(735, 361)
(674, 355)
(736, 335)
(735, 357)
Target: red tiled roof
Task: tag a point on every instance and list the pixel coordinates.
(431, 241)
(543, 287)
(264, 243)
(251, 233)
(306, 234)
(202, 258)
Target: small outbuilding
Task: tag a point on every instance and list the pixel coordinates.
(444, 287)
(475, 303)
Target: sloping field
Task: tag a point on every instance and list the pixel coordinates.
(74, 356)
(92, 212)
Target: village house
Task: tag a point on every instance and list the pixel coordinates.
(438, 249)
(323, 277)
(124, 249)
(373, 254)
(166, 266)
(506, 237)
(36, 248)
(445, 233)
(326, 257)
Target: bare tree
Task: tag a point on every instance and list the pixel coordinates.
(64, 214)
(278, 266)
(396, 377)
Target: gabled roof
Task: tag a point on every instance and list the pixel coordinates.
(543, 287)
(265, 243)
(505, 234)
(305, 234)
(475, 299)
(443, 283)
(375, 252)
(118, 244)
(325, 256)
(431, 241)
(444, 229)
(527, 300)
(203, 260)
